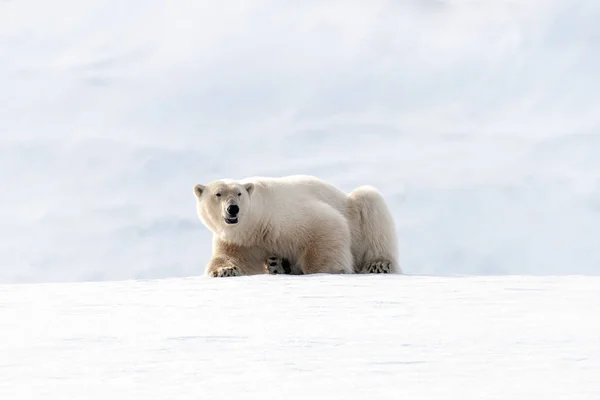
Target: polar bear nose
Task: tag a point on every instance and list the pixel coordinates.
(233, 210)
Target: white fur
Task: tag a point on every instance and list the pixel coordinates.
(302, 218)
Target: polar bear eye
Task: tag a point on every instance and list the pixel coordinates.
(218, 194)
(239, 193)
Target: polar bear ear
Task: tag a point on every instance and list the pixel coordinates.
(198, 190)
(249, 187)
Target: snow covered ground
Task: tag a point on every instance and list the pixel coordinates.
(310, 337)
(477, 119)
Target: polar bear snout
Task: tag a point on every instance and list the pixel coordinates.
(231, 214)
(233, 210)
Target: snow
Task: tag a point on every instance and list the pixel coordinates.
(478, 120)
(298, 337)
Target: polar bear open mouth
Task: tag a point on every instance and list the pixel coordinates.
(231, 220)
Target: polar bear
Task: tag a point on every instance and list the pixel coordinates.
(299, 218)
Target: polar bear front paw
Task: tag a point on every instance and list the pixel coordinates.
(227, 271)
(379, 267)
(275, 265)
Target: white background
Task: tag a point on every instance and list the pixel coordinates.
(478, 120)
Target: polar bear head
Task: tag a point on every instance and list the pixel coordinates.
(223, 205)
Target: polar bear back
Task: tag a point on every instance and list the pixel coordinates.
(296, 189)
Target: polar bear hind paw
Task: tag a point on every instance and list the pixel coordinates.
(379, 267)
(227, 271)
(276, 265)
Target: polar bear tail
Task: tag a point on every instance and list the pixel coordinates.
(374, 240)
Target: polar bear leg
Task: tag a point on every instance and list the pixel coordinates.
(374, 240)
(220, 267)
(233, 260)
(327, 247)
